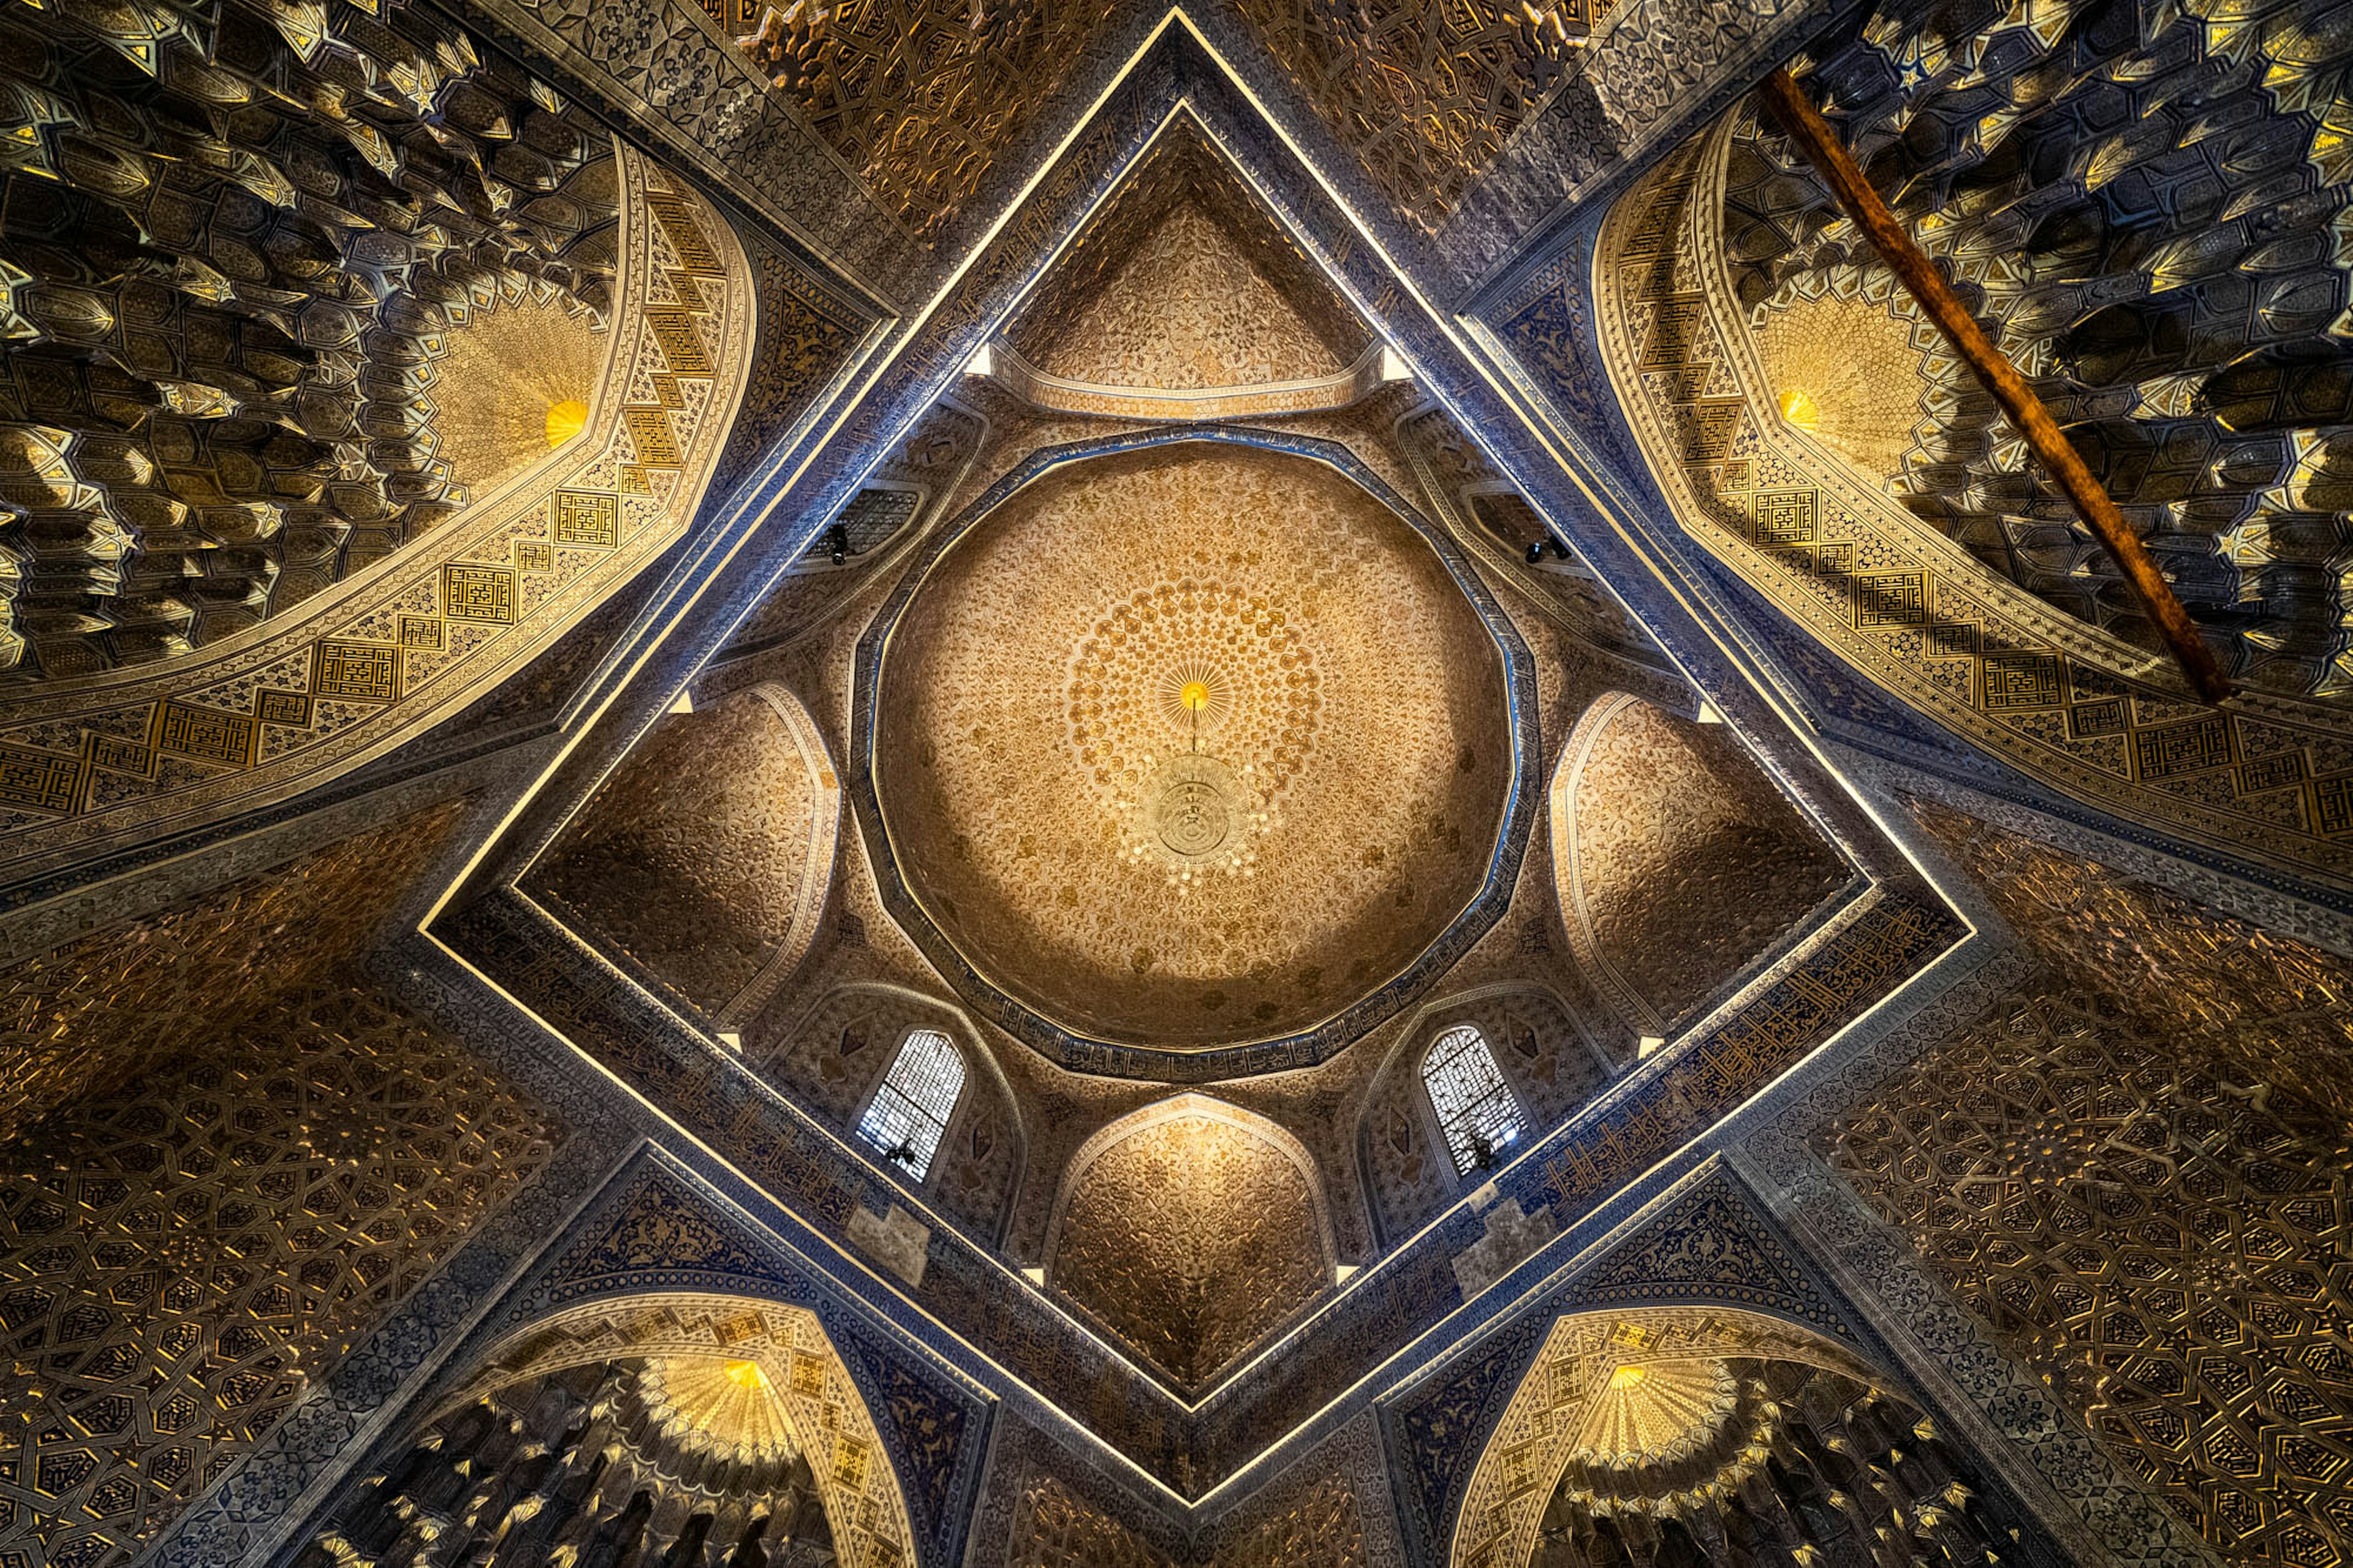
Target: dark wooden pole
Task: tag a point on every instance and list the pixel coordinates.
(1812, 135)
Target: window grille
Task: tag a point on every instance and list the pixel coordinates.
(1473, 1104)
(910, 1113)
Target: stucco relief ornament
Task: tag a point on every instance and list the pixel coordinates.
(1196, 814)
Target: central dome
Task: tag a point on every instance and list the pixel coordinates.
(1192, 745)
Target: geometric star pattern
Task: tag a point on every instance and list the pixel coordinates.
(174, 1265)
(2160, 1237)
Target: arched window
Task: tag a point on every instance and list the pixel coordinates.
(910, 1113)
(1467, 1091)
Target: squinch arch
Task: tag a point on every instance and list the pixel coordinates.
(1191, 1229)
(1710, 1425)
(818, 1412)
(706, 858)
(1676, 862)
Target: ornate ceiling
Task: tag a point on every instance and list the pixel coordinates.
(197, 442)
(1425, 91)
(1073, 859)
(915, 95)
(1186, 281)
(2168, 288)
(1193, 746)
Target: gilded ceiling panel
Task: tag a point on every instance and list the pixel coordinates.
(705, 860)
(1677, 863)
(96, 1015)
(917, 96)
(1425, 91)
(1054, 1528)
(1183, 230)
(2270, 1003)
(1190, 1238)
(1192, 745)
(516, 381)
(2155, 1232)
(245, 1159)
(1187, 310)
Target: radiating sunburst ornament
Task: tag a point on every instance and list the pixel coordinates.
(1645, 1414)
(1662, 1437)
(1193, 704)
(566, 420)
(706, 1404)
(1191, 690)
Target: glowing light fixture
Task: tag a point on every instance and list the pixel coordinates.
(566, 420)
(1196, 695)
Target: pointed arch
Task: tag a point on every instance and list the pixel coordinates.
(1548, 1055)
(1181, 1190)
(820, 838)
(823, 1409)
(1208, 1108)
(1569, 876)
(1678, 863)
(908, 1114)
(1475, 1107)
(828, 1056)
(2026, 680)
(1529, 1450)
(706, 859)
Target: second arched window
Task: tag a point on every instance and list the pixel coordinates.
(1475, 1106)
(909, 1114)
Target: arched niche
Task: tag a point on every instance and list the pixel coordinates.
(1676, 861)
(1959, 587)
(375, 633)
(1715, 1438)
(1191, 1229)
(1546, 1061)
(624, 1419)
(706, 858)
(831, 1055)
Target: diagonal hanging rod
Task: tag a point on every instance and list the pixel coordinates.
(1811, 135)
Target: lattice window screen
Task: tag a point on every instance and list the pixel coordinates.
(910, 1111)
(1468, 1092)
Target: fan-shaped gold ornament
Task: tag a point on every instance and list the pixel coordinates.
(707, 1404)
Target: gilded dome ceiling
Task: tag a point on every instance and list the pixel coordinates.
(1191, 745)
